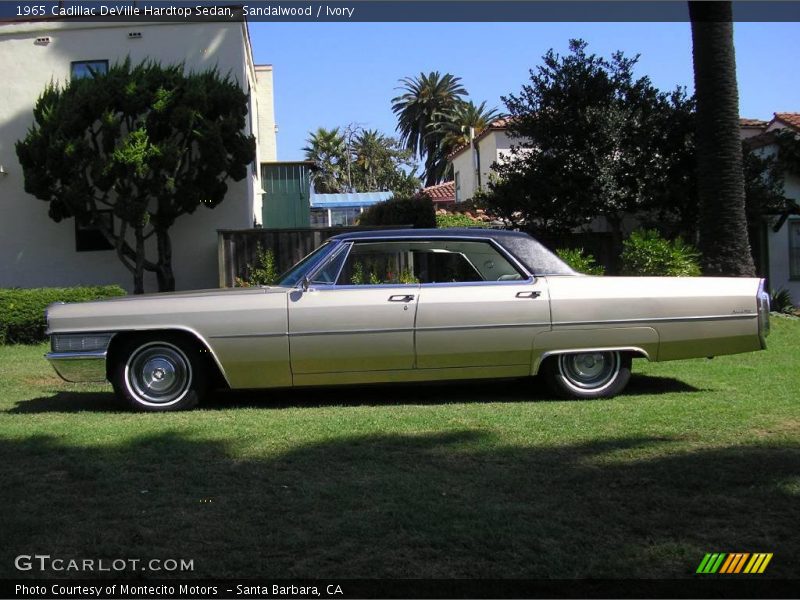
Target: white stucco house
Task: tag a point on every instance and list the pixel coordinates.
(472, 163)
(783, 244)
(38, 252)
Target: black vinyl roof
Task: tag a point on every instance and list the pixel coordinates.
(477, 232)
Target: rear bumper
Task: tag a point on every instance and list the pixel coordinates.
(79, 367)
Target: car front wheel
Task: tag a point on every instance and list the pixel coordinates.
(159, 375)
(588, 375)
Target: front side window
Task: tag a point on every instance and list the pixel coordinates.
(293, 276)
(329, 271)
(415, 262)
(88, 68)
(794, 249)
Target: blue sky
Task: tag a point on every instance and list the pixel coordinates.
(329, 74)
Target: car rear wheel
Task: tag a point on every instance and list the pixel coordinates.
(588, 375)
(160, 374)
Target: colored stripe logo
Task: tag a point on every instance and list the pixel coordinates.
(734, 563)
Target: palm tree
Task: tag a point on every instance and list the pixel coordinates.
(328, 151)
(455, 125)
(455, 129)
(720, 178)
(417, 109)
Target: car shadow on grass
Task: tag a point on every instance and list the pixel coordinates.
(511, 390)
(463, 503)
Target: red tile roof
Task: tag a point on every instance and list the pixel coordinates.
(792, 119)
(785, 120)
(444, 192)
(753, 123)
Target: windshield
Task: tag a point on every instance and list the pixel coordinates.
(291, 277)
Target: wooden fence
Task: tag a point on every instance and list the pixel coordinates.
(236, 248)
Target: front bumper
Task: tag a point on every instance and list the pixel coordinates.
(79, 367)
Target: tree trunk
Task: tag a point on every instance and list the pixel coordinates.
(138, 272)
(722, 224)
(164, 274)
(615, 224)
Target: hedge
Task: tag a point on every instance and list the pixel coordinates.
(22, 310)
(416, 211)
(645, 252)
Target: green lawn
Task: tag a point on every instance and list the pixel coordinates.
(465, 480)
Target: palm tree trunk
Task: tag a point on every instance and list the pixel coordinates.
(723, 225)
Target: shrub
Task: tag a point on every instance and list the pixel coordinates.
(264, 273)
(401, 210)
(580, 261)
(444, 220)
(645, 252)
(781, 301)
(22, 310)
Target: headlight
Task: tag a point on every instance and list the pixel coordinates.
(763, 313)
(76, 342)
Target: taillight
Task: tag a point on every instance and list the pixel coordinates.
(762, 299)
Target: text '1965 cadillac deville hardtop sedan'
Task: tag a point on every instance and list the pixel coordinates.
(406, 305)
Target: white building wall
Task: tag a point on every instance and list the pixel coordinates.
(494, 147)
(266, 114)
(38, 252)
(778, 244)
(464, 166)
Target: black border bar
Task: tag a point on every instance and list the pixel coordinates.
(362, 11)
(703, 586)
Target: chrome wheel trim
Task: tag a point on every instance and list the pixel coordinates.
(158, 374)
(589, 371)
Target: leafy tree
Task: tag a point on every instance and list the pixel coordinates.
(381, 164)
(424, 100)
(149, 142)
(595, 142)
(404, 182)
(723, 226)
(763, 184)
(327, 149)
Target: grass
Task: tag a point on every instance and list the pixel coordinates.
(434, 481)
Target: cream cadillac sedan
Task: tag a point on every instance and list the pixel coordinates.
(406, 305)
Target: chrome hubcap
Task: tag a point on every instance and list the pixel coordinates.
(158, 373)
(589, 371)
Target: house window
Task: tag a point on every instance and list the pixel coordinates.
(458, 186)
(89, 238)
(344, 216)
(794, 249)
(88, 68)
(319, 217)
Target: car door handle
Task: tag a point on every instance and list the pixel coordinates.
(531, 295)
(401, 298)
